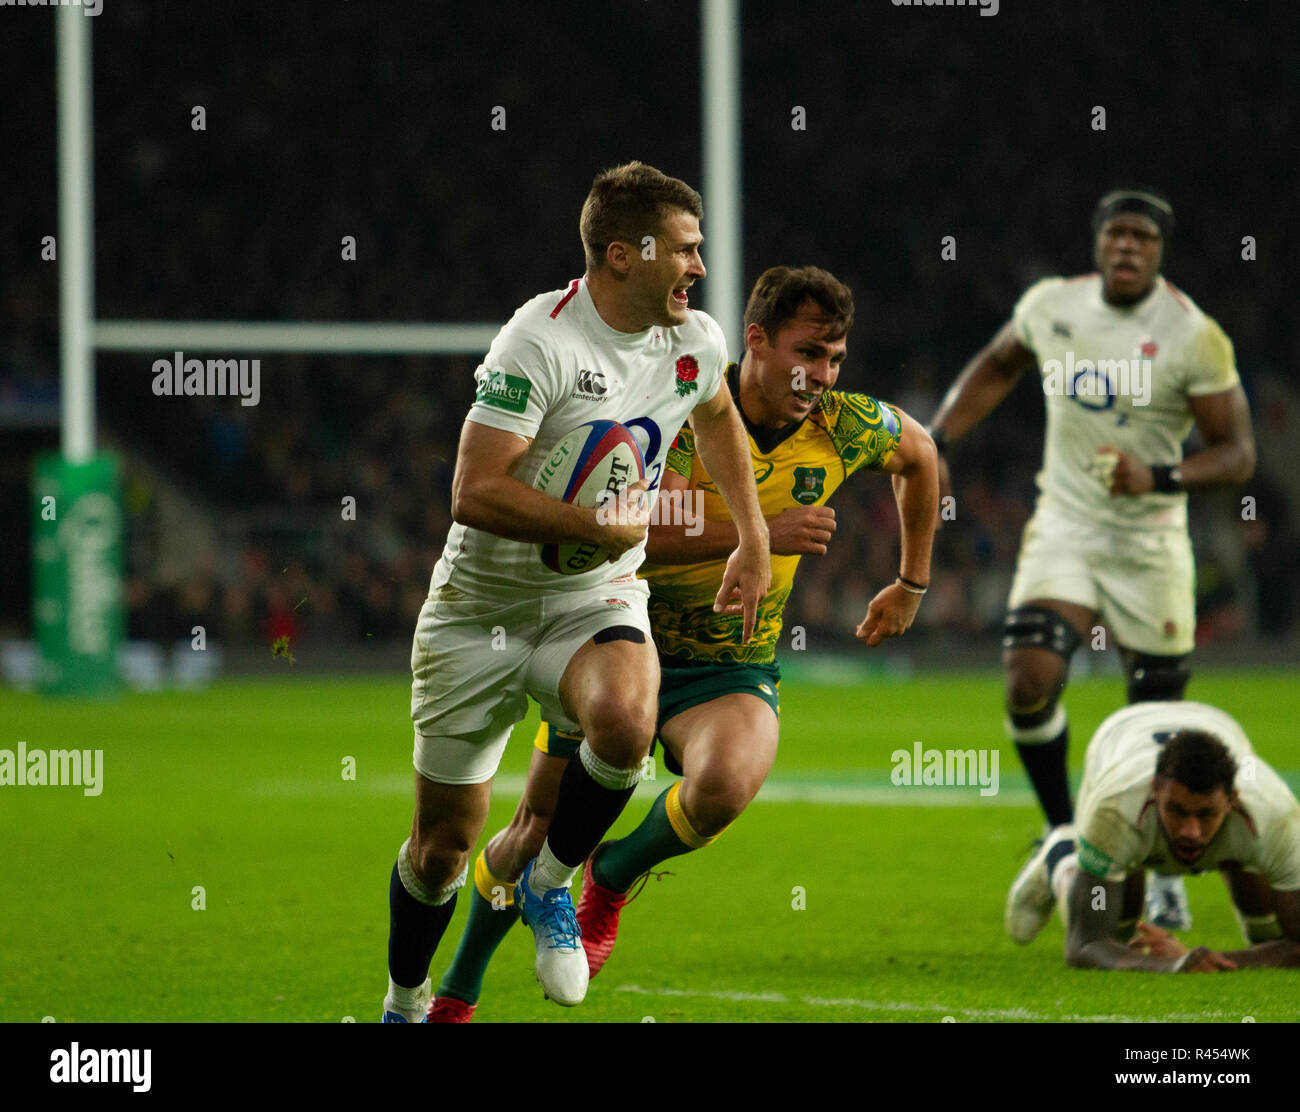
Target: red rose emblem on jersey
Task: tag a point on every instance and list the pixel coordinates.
(687, 372)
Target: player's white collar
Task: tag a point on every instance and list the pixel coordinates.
(602, 328)
(1138, 308)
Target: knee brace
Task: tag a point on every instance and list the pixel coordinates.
(1039, 627)
(1154, 679)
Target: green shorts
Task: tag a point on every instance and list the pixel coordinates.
(681, 688)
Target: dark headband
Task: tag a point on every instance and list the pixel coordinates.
(1154, 208)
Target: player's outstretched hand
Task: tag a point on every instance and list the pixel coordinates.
(624, 523)
(801, 531)
(1205, 960)
(890, 613)
(744, 583)
(1153, 940)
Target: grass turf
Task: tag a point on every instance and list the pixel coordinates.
(239, 791)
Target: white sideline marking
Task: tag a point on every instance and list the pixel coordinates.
(776, 790)
(905, 1006)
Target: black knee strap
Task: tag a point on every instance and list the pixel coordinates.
(1154, 679)
(1039, 627)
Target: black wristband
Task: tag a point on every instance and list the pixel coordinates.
(940, 439)
(913, 584)
(1167, 479)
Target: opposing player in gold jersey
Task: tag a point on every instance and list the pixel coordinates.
(718, 698)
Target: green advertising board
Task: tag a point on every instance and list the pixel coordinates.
(77, 605)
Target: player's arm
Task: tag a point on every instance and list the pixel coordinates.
(1228, 456)
(983, 383)
(1281, 953)
(723, 448)
(797, 530)
(486, 495)
(1090, 939)
(915, 470)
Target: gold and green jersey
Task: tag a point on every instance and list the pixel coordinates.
(843, 434)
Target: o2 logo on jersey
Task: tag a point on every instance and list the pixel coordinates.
(649, 439)
(1092, 389)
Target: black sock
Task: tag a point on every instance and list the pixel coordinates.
(414, 931)
(1045, 765)
(584, 811)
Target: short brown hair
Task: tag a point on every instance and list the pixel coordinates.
(781, 290)
(629, 202)
(1199, 761)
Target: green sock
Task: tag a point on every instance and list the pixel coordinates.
(486, 927)
(655, 840)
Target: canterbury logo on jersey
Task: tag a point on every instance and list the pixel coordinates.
(591, 385)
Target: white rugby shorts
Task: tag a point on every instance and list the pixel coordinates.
(475, 661)
(1143, 584)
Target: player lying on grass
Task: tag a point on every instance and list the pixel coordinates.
(499, 626)
(718, 695)
(1177, 788)
(1128, 364)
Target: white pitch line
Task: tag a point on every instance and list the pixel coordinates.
(905, 1006)
(776, 790)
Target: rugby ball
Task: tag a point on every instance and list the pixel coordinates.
(594, 458)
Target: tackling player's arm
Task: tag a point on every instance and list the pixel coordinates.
(723, 448)
(1092, 942)
(1228, 456)
(915, 470)
(486, 495)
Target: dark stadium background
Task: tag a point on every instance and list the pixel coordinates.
(330, 118)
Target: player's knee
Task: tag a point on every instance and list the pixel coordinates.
(619, 731)
(713, 805)
(1153, 679)
(438, 856)
(1033, 688)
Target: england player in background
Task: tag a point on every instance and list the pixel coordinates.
(719, 693)
(618, 344)
(1174, 787)
(1128, 364)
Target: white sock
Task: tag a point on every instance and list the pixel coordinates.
(549, 872)
(409, 1002)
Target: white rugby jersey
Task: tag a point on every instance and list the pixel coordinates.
(1119, 830)
(1121, 377)
(557, 365)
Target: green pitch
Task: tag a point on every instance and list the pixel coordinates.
(231, 870)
